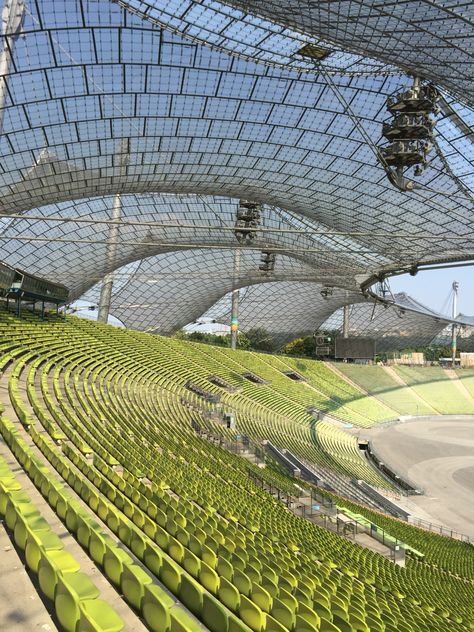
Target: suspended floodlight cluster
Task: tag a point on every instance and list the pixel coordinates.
(409, 133)
(247, 222)
(267, 261)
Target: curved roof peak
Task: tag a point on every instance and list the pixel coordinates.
(430, 39)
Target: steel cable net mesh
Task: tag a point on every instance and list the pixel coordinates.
(284, 310)
(405, 324)
(159, 289)
(240, 33)
(290, 310)
(96, 101)
(86, 76)
(163, 294)
(430, 39)
(164, 289)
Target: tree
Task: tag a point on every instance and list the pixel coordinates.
(242, 341)
(261, 340)
(300, 347)
(200, 336)
(432, 353)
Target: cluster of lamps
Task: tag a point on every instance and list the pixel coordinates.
(267, 261)
(409, 133)
(248, 219)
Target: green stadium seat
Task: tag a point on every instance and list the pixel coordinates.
(170, 575)
(70, 610)
(229, 595)
(26, 524)
(96, 615)
(114, 561)
(328, 626)
(37, 543)
(209, 578)
(52, 566)
(236, 568)
(155, 607)
(191, 594)
(132, 584)
(251, 614)
(181, 622)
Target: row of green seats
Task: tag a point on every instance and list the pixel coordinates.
(113, 389)
(74, 595)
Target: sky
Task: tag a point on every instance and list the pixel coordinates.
(432, 288)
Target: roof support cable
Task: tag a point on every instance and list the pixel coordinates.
(372, 315)
(348, 110)
(411, 110)
(462, 187)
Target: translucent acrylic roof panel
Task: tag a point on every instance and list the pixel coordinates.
(404, 324)
(465, 336)
(99, 101)
(248, 36)
(68, 241)
(431, 39)
(175, 260)
(286, 310)
(96, 101)
(289, 310)
(168, 291)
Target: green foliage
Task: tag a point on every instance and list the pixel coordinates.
(212, 339)
(432, 353)
(306, 346)
(260, 339)
(243, 342)
(300, 347)
(200, 336)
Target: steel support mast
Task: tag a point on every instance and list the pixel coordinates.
(345, 322)
(234, 319)
(13, 13)
(112, 239)
(454, 326)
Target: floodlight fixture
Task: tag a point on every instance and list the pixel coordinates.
(409, 133)
(247, 221)
(267, 261)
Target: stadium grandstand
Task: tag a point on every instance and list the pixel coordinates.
(258, 172)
